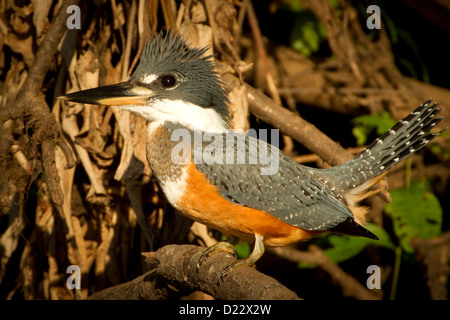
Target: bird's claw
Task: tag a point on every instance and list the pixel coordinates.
(222, 246)
(226, 272)
(231, 267)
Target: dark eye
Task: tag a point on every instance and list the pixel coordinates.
(168, 81)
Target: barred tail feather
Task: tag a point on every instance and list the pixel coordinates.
(406, 137)
(402, 140)
(360, 177)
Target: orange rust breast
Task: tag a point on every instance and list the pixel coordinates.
(202, 202)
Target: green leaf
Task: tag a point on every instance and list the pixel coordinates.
(242, 249)
(437, 149)
(292, 5)
(344, 247)
(361, 133)
(307, 33)
(364, 125)
(415, 212)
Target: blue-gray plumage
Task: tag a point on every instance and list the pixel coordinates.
(315, 199)
(293, 194)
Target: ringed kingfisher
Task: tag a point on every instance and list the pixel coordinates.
(177, 89)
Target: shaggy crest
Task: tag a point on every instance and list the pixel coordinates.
(171, 54)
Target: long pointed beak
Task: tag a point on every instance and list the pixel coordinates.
(123, 93)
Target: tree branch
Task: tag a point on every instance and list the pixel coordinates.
(43, 131)
(350, 286)
(173, 274)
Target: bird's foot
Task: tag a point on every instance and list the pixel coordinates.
(258, 250)
(222, 246)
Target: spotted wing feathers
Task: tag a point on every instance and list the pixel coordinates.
(292, 194)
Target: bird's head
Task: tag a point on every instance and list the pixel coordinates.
(171, 83)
